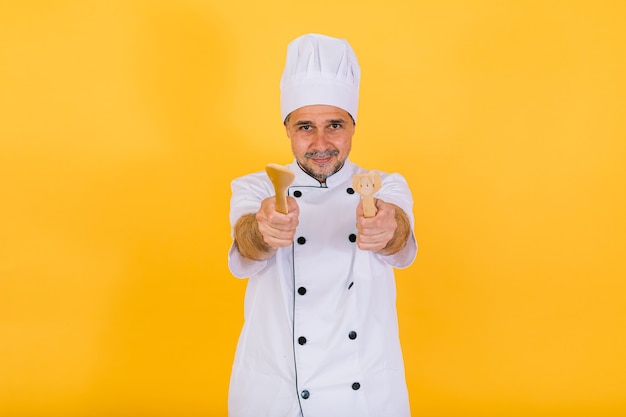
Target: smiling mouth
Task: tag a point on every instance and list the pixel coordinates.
(322, 161)
(321, 158)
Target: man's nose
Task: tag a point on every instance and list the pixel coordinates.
(320, 140)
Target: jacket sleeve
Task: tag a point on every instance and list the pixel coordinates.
(246, 195)
(395, 190)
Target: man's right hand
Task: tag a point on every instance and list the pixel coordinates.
(277, 229)
(257, 236)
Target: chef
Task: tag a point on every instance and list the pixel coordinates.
(320, 335)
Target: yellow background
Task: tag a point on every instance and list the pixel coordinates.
(123, 122)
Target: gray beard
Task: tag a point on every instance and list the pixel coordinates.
(320, 176)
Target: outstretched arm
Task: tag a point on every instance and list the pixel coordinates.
(258, 235)
(387, 232)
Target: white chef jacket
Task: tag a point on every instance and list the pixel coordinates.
(320, 334)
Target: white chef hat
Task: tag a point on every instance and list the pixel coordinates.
(320, 70)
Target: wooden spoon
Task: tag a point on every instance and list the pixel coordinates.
(367, 185)
(281, 177)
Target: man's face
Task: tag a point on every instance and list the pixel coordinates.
(321, 138)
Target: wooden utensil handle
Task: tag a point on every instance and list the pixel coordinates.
(369, 207)
(281, 203)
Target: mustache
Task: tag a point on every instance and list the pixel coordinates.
(325, 154)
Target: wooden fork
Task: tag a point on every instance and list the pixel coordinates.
(281, 177)
(367, 185)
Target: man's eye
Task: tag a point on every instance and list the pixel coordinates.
(335, 125)
(305, 127)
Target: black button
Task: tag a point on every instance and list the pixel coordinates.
(356, 386)
(352, 238)
(301, 240)
(305, 394)
(297, 193)
(301, 290)
(352, 335)
(302, 340)
(350, 190)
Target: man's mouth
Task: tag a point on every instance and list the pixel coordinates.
(321, 158)
(321, 161)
